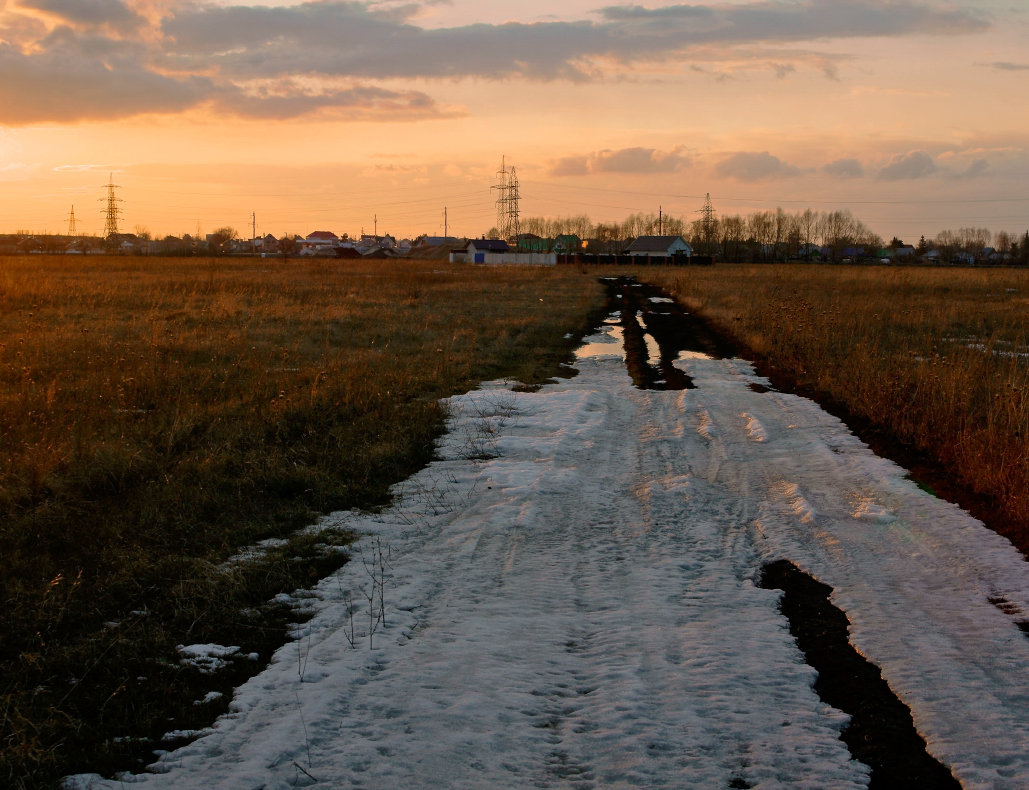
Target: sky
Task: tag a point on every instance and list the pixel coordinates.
(394, 117)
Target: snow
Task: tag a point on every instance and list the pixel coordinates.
(206, 658)
(570, 597)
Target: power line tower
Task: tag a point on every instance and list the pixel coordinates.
(71, 222)
(113, 212)
(513, 212)
(708, 224)
(508, 197)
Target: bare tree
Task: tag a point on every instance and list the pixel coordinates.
(761, 225)
(733, 235)
(219, 241)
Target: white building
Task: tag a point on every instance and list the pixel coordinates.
(660, 247)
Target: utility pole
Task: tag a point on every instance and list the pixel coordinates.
(375, 219)
(445, 234)
(660, 221)
(253, 231)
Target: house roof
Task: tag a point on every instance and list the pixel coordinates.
(489, 245)
(655, 243)
(322, 235)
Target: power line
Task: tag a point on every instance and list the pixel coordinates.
(738, 199)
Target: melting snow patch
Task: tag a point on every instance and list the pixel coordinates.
(206, 658)
(209, 697)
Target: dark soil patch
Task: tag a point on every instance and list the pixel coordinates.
(881, 733)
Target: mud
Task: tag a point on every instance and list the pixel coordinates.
(881, 733)
(657, 331)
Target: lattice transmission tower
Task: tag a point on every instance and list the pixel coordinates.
(112, 213)
(508, 198)
(708, 224)
(71, 222)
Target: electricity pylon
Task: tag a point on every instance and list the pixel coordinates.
(113, 212)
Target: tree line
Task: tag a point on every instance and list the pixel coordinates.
(780, 235)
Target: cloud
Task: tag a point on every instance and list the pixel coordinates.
(117, 58)
(80, 168)
(976, 168)
(68, 85)
(103, 79)
(917, 164)
(798, 21)
(357, 103)
(90, 13)
(634, 160)
(362, 40)
(752, 166)
(639, 160)
(571, 166)
(845, 168)
(356, 40)
(1004, 65)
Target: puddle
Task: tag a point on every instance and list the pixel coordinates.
(609, 343)
(650, 332)
(881, 733)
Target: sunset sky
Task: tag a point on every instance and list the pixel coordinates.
(913, 114)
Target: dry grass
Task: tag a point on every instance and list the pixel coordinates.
(157, 414)
(938, 357)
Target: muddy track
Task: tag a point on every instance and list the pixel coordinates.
(881, 734)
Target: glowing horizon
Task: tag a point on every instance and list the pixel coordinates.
(324, 115)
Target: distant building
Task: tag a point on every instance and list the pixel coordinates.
(320, 242)
(660, 247)
(497, 251)
(477, 249)
(567, 243)
(433, 241)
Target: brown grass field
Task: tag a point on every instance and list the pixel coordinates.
(930, 364)
(158, 414)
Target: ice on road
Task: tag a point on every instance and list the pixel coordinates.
(571, 599)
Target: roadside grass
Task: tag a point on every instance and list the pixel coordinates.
(937, 358)
(156, 415)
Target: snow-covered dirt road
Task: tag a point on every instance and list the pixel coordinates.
(571, 598)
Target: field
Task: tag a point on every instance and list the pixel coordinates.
(157, 415)
(931, 365)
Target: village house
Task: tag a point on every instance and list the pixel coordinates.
(320, 242)
(567, 244)
(660, 247)
(497, 251)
